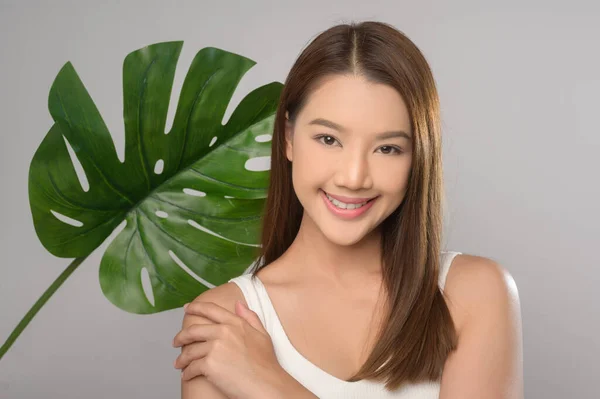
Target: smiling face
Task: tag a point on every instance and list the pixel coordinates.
(352, 140)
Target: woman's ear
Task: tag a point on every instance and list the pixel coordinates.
(289, 133)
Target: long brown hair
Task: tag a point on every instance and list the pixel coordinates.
(417, 333)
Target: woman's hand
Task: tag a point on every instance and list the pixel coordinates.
(235, 352)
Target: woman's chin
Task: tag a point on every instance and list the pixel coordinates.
(344, 238)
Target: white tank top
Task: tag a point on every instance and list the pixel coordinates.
(316, 380)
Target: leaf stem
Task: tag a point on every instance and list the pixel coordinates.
(38, 305)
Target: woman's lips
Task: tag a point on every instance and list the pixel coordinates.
(347, 213)
(349, 200)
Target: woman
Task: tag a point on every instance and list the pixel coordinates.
(352, 296)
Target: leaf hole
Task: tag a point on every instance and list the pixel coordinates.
(161, 214)
(195, 224)
(263, 138)
(83, 181)
(195, 193)
(189, 271)
(147, 285)
(159, 166)
(66, 219)
(258, 164)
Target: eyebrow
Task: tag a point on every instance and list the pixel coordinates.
(340, 128)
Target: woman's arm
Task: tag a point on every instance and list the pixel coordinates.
(276, 384)
(198, 387)
(488, 363)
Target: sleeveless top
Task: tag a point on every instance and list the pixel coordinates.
(313, 378)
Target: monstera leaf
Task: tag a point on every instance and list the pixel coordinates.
(190, 199)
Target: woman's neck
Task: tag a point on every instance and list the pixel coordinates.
(344, 265)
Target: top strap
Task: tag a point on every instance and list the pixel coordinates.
(446, 259)
(255, 296)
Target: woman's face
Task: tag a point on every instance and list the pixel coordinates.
(352, 140)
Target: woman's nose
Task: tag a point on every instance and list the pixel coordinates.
(353, 171)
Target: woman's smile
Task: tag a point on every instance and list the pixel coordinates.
(347, 210)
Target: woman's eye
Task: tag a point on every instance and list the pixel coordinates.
(327, 140)
(388, 149)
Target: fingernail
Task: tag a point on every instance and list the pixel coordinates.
(185, 306)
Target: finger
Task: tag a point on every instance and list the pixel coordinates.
(212, 311)
(251, 317)
(188, 320)
(192, 352)
(194, 369)
(196, 333)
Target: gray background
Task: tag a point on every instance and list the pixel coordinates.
(519, 84)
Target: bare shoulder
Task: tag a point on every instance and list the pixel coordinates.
(488, 359)
(224, 295)
(475, 281)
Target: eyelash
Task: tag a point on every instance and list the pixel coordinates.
(397, 149)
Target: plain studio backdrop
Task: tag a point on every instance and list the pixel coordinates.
(519, 84)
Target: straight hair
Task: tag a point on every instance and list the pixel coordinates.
(417, 333)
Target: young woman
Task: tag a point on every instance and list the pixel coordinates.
(353, 296)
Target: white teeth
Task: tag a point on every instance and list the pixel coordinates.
(343, 205)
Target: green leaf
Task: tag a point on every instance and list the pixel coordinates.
(191, 199)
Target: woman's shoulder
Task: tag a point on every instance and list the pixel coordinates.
(489, 353)
(224, 295)
(472, 276)
(473, 280)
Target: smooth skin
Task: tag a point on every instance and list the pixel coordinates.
(326, 288)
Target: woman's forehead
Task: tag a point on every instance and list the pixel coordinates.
(350, 101)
